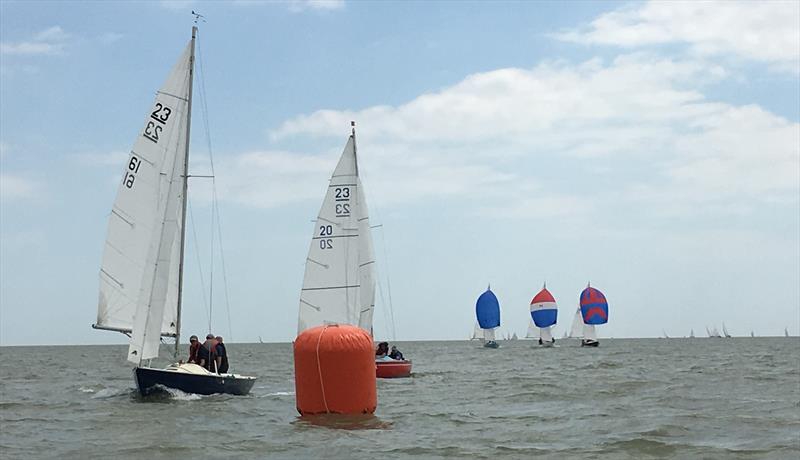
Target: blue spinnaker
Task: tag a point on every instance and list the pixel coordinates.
(488, 310)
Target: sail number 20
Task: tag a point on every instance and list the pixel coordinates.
(325, 243)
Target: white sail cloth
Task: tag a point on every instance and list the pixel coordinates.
(141, 259)
(575, 330)
(339, 280)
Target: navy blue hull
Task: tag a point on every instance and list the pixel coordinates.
(147, 378)
(590, 343)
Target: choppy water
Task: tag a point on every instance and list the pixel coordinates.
(645, 398)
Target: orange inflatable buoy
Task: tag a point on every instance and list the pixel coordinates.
(334, 371)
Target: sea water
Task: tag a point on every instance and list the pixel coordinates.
(629, 398)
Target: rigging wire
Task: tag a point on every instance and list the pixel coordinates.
(215, 218)
(199, 262)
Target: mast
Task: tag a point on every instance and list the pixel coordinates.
(185, 191)
(353, 133)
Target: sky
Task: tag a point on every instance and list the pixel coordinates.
(650, 148)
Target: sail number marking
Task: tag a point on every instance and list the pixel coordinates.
(130, 173)
(160, 115)
(342, 194)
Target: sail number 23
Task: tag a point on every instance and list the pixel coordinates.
(158, 119)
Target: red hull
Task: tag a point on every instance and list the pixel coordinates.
(392, 369)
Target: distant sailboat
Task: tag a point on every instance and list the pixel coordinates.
(487, 309)
(725, 331)
(691, 334)
(544, 313)
(576, 329)
(514, 336)
(477, 333)
(752, 334)
(532, 333)
(786, 332)
(594, 310)
(665, 333)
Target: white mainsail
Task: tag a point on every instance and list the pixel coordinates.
(339, 281)
(575, 331)
(140, 271)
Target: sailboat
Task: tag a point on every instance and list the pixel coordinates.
(477, 332)
(786, 332)
(544, 313)
(514, 336)
(533, 331)
(339, 280)
(752, 334)
(691, 334)
(576, 329)
(594, 310)
(487, 309)
(141, 276)
(725, 331)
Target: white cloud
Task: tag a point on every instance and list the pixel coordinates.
(761, 31)
(51, 41)
(109, 38)
(268, 179)
(318, 5)
(639, 127)
(176, 5)
(14, 187)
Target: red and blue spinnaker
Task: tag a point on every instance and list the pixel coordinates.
(594, 307)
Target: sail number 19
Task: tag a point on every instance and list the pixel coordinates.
(130, 173)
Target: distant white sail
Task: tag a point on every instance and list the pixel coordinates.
(532, 330)
(576, 330)
(141, 259)
(339, 281)
(477, 333)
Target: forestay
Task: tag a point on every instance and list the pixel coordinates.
(139, 275)
(339, 281)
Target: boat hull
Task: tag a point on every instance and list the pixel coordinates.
(589, 343)
(392, 369)
(148, 379)
(491, 344)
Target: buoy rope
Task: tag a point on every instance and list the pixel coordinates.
(319, 369)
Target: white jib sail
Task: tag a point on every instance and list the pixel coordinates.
(575, 331)
(546, 334)
(589, 332)
(531, 334)
(140, 268)
(488, 334)
(339, 281)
